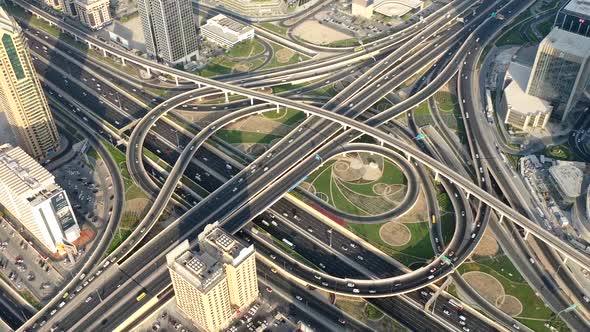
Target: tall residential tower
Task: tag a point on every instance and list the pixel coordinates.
(211, 284)
(169, 29)
(21, 96)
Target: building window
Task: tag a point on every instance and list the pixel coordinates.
(13, 56)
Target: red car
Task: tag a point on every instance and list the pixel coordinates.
(268, 289)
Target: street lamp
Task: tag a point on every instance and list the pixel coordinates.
(330, 232)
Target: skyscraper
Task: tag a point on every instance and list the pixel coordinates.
(561, 69)
(212, 284)
(169, 29)
(575, 17)
(21, 96)
(29, 192)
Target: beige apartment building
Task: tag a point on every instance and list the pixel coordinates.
(29, 192)
(93, 13)
(21, 96)
(212, 284)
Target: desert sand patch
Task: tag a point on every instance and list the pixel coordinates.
(320, 34)
(284, 55)
(395, 234)
(488, 246)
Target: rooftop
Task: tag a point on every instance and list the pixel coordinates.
(516, 97)
(22, 175)
(229, 24)
(581, 7)
(569, 42)
(568, 178)
(200, 269)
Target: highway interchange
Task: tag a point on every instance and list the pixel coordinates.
(259, 187)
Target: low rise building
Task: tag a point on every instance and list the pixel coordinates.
(214, 283)
(29, 192)
(226, 32)
(397, 8)
(255, 8)
(568, 182)
(94, 14)
(523, 111)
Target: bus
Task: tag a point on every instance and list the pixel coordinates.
(140, 296)
(433, 219)
(456, 304)
(289, 243)
(265, 223)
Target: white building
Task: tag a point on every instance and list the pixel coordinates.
(568, 181)
(391, 8)
(226, 32)
(29, 192)
(362, 8)
(523, 111)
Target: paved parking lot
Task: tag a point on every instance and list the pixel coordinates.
(24, 266)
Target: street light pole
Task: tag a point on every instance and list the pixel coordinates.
(330, 232)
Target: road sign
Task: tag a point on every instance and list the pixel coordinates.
(570, 308)
(318, 157)
(420, 137)
(446, 260)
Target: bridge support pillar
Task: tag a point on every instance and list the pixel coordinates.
(226, 97)
(435, 296)
(149, 71)
(251, 101)
(526, 234)
(565, 260)
(278, 108)
(123, 62)
(307, 114)
(501, 218)
(467, 195)
(176, 80)
(381, 142)
(436, 177)
(104, 53)
(409, 158)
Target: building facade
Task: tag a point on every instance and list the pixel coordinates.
(523, 111)
(561, 69)
(29, 192)
(255, 8)
(226, 32)
(567, 179)
(169, 29)
(21, 96)
(212, 284)
(574, 17)
(95, 14)
(362, 8)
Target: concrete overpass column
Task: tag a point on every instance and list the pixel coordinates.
(501, 218)
(226, 97)
(526, 234)
(104, 53)
(307, 114)
(149, 71)
(565, 260)
(123, 61)
(176, 80)
(381, 142)
(278, 108)
(251, 101)
(438, 291)
(436, 176)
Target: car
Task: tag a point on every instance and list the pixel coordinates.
(360, 258)
(473, 235)
(430, 277)
(273, 270)
(53, 312)
(372, 291)
(309, 229)
(88, 299)
(466, 329)
(317, 277)
(586, 298)
(433, 269)
(268, 289)
(273, 257)
(344, 248)
(322, 265)
(516, 326)
(462, 213)
(446, 312)
(350, 284)
(461, 322)
(325, 284)
(299, 298)
(356, 291)
(461, 317)
(341, 321)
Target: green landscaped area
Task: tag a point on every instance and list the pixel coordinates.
(414, 253)
(288, 117)
(246, 49)
(559, 152)
(287, 87)
(357, 308)
(447, 215)
(238, 136)
(283, 56)
(422, 114)
(534, 312)
(513, 35)
(338, 193)
(372, 312)
(274, 28)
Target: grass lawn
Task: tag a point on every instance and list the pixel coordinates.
(287, 87)
(274, 62)
(418, 248)
(446, 101)
(559, 152)
(119, 237)
(372, 312)
(287, 117)
(274, 28)
(238, 136)
(246, 49)
(500, 267)
(214, 68)
(345, 42)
